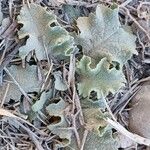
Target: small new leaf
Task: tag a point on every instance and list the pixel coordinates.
(100, 79)
(101, 35)
(44, 33)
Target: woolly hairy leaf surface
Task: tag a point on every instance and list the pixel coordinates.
(59, 125)
(93, 116)
(101, 35)
(43, 36)
(100, 79)
(27, 79)
(96, 142)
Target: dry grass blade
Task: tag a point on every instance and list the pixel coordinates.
(47, 76)
(84, 139)
(13, 49)
(125, 3)
(23, 128)
(136, 22)
(4, 112)
(71, 69)
(32, 136)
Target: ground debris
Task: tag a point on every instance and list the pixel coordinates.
(41, 106)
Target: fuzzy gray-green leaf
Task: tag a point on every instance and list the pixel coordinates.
(44, 33)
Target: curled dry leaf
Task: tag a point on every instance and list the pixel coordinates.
(101, 79)
(44, 32)
(59, 125)
(101, 35)
(139, 119)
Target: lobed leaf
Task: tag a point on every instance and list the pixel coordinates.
(93, 116)
(96, 142)
(44, 33)
(59, 125)
(100, 79)
(101, 35)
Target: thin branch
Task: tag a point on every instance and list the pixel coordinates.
(4, 112)
(47, 77)
(136, 138)
(108, 108)
(125, 3)
(136, 22)
(84, 139)
(32, 136)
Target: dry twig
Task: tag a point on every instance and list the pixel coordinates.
(136, 138)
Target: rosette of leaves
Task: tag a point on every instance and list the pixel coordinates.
(44, 33)
(58, 124)
(101, 35)
(100, 79)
